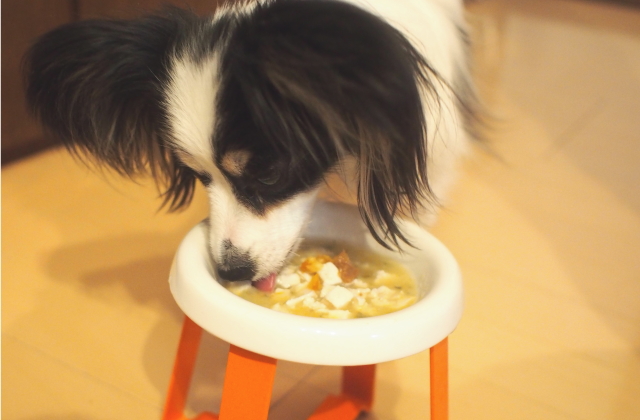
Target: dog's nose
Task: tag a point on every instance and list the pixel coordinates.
(237, 273)
(235, 265)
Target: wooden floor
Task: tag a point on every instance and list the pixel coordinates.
(546, 230)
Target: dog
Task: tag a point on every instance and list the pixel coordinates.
(261, 102)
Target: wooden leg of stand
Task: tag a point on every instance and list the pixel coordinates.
(439, 379)
(248, 384)
(182, 371)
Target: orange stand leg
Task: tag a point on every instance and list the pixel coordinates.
(358, 383)
(182, 371)
(439, 380)
(248, 384)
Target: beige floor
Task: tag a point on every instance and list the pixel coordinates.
(548, 238)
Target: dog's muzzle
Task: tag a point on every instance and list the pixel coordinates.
(235, 265)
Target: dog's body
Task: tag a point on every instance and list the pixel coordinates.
(261, 102)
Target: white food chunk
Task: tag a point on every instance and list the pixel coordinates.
(339, 314)
(288, 270)
(359, 284)
(361, 295)
(306, 277)
(281, 294)
(339, 297)
(240, 287)
(326, 288)
(384, 278)
(381, 291)
(381, 275)
(313, 304)
(381, 296)
(329, 274)
(294, 301)
(299, 289)
(288, 280)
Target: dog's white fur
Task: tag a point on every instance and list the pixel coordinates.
(432, 26)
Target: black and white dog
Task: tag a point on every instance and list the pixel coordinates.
(260, 103)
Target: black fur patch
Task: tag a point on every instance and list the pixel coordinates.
(98, 86)
(308, 82)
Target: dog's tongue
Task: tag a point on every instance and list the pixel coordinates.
(266, 284)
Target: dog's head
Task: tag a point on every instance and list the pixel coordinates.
(259, 103)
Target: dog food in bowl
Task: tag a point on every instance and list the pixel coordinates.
(334, 280)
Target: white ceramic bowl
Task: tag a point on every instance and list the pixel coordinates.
(320, 341)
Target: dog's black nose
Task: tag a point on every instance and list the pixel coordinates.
(237, 273)
(235, 265)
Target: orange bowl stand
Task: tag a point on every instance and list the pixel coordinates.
(249, 377)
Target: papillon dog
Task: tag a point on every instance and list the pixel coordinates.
(261, 102)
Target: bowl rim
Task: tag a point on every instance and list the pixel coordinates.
(321, 341)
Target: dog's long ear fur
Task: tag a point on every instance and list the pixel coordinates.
(96, 86)
(330, 62)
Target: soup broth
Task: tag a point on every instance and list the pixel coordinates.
(335, 280)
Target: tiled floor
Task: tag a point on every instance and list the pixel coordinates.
(547, 233)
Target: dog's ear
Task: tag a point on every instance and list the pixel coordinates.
(97, 86)
(355, 83)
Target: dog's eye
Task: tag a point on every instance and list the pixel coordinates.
(204, 178)
(270, 179)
